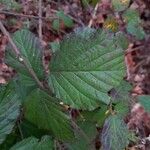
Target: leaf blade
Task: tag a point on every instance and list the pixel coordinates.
(41, 110)
(84, 70)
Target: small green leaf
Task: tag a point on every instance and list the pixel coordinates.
(97, 116)
(86, 68)
(136, 30)
(121, 109)
(145, 102)
(56, 24)
(41, 110)
(32, 143)
(132, 19)
(11, 4)
(31, 51)
(131, 15)
(114, 134)
(9, 110)
(55, 46)
(120, 5)
(68, 22)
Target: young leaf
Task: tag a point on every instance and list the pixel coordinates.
(41, 110)
(65, 18)
(145, 102)
(62, 18)
(114, 134)
(30, 49)
(86, 68)
(32, 143)
(9, 111)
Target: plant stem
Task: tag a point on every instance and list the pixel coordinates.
(19, 56)
(23, 15)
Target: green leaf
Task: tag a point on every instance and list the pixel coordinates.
(114, 134)
(30, 49)
(54, 46)
(86, 68)
(28, 129)
(56, 24)
(120, 5)
(145, 102)
(11, 4)
(132, 19)
(41, 110)
(80, 143)
(62, 18)
(32, 143)
(9, 141)
(97, 116)
(136, 30)
(68, 22)
(121, 93)
(131, 15)
(9, 110)
(122, 109)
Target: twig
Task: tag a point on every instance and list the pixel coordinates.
(19, 56)
(26, 16)
(134, 49)
(93, 16)
(40, 20)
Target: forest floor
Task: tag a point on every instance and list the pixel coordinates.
(26, 13)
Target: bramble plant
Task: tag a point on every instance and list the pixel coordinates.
(86, 76)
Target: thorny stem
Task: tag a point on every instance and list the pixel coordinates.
(20, 57)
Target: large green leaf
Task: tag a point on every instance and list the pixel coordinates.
(114, 134)
(145, 101)
(32, 143)
(9, 111)
(41, 110)
(88, 64)
(30, 49)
